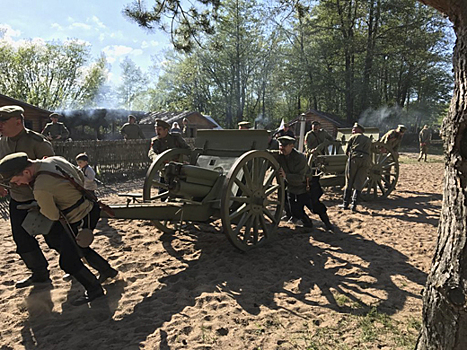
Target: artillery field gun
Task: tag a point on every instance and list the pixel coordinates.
(228, 175)
(382, 175)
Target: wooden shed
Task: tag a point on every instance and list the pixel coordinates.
(195, 120)
(329, 122)
(35, 118)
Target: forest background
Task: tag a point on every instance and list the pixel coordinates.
(359, 60)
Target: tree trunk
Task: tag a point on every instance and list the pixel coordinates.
(444, 300)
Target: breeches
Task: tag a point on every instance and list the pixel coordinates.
(297, 204)
(25, 243)
(356, 172)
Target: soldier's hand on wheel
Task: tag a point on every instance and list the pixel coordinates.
(3, 191)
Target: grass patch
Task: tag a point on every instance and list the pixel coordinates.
(370, 330)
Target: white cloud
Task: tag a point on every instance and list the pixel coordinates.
(81, 26)
(137, 52)
(57, 26)
(98, 22)
(9, 33)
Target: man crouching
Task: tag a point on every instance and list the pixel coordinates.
(62, 202)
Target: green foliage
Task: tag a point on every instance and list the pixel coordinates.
(341, 57)
(51, 75)
(132, 91)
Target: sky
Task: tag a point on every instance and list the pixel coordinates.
(99, 23)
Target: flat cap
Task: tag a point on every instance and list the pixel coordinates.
(401, 127)
(315, 122)
(54, 115)
(244, 123)
(7, 112)
(286, 140)
(163, 123)
(12, 164)
(356, 125)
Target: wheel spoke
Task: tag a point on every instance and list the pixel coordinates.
(247, 176)
(241, 199)
(255, 230)
(264, 225)
(241, 185)
(247, 234)
(269, 215)
(242, 222)
(271, 189)
(242, 209)
(268, 180)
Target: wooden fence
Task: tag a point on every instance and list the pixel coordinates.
(112, 160)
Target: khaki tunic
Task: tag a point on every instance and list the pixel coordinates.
(315, 138)
(295, 167)
(131, 131)
(356, 170)
(393, 139)
(56, 129)
(35, 146)
(159, 145)
(53, 194)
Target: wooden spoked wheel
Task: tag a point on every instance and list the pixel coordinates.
(383, 173)
(252, 200)
(155, 189)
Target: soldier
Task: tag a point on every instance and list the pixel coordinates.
(59, 199)
(164, 140)
(358, 150)
(425, 138)
(244, 125)
(131, 130)
(315, 137)
(293, 169)
(393, 138)
(188, 131)
(286, 131)
(55, 130)
(17, 138)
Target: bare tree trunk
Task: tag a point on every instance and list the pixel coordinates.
(444, 300)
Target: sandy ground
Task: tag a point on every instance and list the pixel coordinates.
(359, 288)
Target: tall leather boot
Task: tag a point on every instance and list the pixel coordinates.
(355, 196)
(91, 284)
(98, 263)
(327, 223)
(345, 204)
(36, 262)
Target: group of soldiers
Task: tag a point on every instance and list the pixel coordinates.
(38, 180)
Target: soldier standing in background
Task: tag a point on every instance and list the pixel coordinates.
(315, 137)
(244, 125)
(131, 130)
(55, 130)
(164, 140)
(356, 170)
(17, 138)
(69, 208)
(425, 138)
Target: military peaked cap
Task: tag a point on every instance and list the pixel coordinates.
(401, 127)
(13, 164)
(315, 122)
(244, 123)
(131, 116)
(356, 125)
(7, 112)
(286, 140)
(163, 123)
(54, 115)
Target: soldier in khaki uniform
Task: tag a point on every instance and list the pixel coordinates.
(356, 170)
(55, 130)
(394, 137)
(131, 130)
(17, 138)
(164, 140)
(425, 138)
(293, 169)
(59, 199)
(315, 137)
